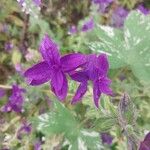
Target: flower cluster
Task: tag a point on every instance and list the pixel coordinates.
(87, 26)
(81, 68)
(24, 129)
(16, 100)
(119, 13)
(143, 9)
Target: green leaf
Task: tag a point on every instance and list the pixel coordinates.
(137, 35)
(16, 57)
(60, 121)
(111, 42)
(87, 140)
(53, 123)
(129, 47)
(104, 124)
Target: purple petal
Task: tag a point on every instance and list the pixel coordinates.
(119, 16)
(104, 84)
(80, 76)
(72, 30)
(89, 25)
(80, 92)
(38, 74)
(37, 2)
(96, 93)
(37, 145)
(24, 129)
(143, 9)
(106, 138)
(16, 100)
(103, 63)
(50, 50)
(145, 145)
(57, 80)
(92, 67)
(72, 61)
(62, 93)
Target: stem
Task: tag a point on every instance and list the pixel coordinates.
(24, 37)
(5, 87)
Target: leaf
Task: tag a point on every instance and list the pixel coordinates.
(60, 121)
(129, 47)
(87, 140)
(111, 42)
(104, 124)
(16, 57)
(137, 34)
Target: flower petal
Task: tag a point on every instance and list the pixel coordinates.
(104, 84)
(145, 145)
(80, 76)
(96, 93)
(38, 74)
(57, 79)
(49, 50)
(80, 92)
(62, 93)
(103, 63)
(72, 61)
(92, 67)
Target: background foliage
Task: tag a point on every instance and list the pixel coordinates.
(62, 125)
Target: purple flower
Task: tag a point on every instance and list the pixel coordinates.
(72, 30)
(15, 102)
(103, 4)
(106, 138)
(118, 17)
(89, 25)
(95, 70)
(37, 145)
(37, 2)
(145, 145)
(24, 129)
(2, 93)
(54, 68)
(143, 9)
(8, 46)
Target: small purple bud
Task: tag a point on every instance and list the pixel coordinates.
(88, 25)
(118, 17)
(143, 9)
(24, 129)
(37, 2)
(16, 100)
(18, 68)
(8, 46)
(72, 30)
(37, 145)
(106, 138)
